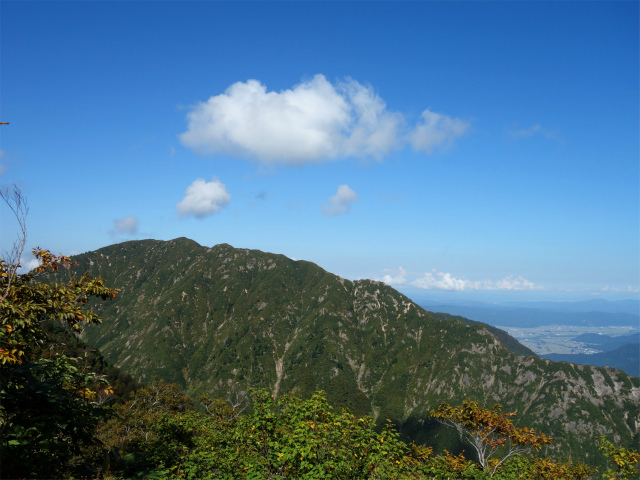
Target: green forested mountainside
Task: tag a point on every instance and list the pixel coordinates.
(507, 340)
(221, 319)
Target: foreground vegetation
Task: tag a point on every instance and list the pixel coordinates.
(159, 434)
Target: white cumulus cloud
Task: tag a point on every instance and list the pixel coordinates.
(340, 202)
(204, 198)
(127, 225)
(312, 122)
(513, 283)
(399, 279)
(27, 265)
(373, 131)
(445, 281)
(442, 281)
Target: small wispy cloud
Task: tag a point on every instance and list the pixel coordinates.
(296, 207)
(126, 226)
(203, 198)
(436, 130)
(340, 202)
(629, 289)
(313, 122)
(3, 168)
(533, 130)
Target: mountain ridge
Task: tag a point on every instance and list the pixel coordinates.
(220, 320)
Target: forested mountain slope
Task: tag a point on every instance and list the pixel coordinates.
(222, 319)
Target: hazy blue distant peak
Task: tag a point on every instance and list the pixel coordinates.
(595, 305)
(514, 316)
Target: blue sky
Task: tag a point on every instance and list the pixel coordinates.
(481, 150)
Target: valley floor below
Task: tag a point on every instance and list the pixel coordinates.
(548, 339)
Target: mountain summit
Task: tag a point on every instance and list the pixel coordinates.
(220, 320)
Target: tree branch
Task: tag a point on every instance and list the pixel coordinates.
(12, 196)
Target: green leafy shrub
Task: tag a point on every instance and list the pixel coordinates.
(625, 460)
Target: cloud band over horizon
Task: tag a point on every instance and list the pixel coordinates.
(435, 280)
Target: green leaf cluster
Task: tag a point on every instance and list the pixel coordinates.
(49, 403)
(626, 461)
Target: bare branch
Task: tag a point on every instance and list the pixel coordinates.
(14, 199)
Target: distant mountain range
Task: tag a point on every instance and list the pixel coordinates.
(536, 314)
(593, 305)
(607, 343)
(621, 352)
(592, 313)
(222, 319)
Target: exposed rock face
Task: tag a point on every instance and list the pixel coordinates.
(221, 319)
